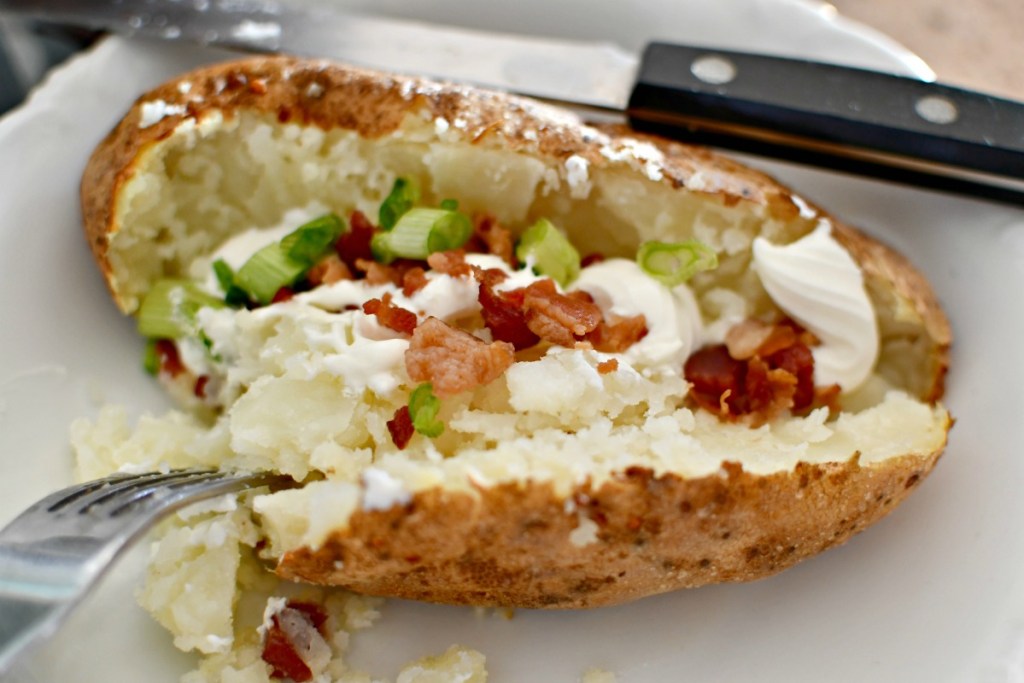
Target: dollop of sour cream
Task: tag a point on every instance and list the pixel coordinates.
(817, 283)
(622, 290)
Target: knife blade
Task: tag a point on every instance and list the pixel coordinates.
(837, 117)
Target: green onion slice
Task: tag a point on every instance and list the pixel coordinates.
(169, 309)
(150, 358)
(267, 271)
(405, 194)
(421, 232)
(309, 241)
(233, 294)
(450, 204)
(283, 263)
(550, 252)
(673, 263)
(423, 409)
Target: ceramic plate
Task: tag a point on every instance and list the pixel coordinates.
(929, 594)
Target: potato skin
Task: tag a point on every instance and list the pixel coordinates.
(508, 545)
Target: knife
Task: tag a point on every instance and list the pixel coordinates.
(837, 117)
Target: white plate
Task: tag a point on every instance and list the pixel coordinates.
(930, 594)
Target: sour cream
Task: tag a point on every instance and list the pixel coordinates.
(817, 283)
(623, 290)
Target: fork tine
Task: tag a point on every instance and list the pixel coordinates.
(60, 499)
(128, 490)
(167, 492)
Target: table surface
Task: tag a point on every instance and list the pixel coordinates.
(977, 44)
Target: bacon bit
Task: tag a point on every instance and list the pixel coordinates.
(170, 361)
(455, 361)
(279, 653)
(400, 427)
(767, 391)
(558, 318)
(393, 317)
(200, 388)
(355, 243)
(278, 649)
(616, 338)
(503, 313)
(713, 373)
(755, 338)
(451, 263)
(798, 361)
(762, 386)
(591, 259)
(376, 273)
(608, 366)
(414, 280)
(282, 295)
(328, 270)
(496, 239)
(379, 274)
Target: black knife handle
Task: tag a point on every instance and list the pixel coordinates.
(838, 117)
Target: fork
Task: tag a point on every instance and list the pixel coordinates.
(55, 551)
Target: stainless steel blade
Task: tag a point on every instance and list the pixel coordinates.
(591, 74)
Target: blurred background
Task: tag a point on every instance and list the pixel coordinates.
(973, 44)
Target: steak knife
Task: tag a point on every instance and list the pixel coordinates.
(840, 118)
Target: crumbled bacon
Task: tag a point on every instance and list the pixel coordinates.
(294, 644)
(380, 274)
(283, 294)
(354, 244)
(200, 386)
(451, 263)
(170, 361)
(453, 360)
(393, 317)
(494, 238)
(328, 270)
(761, 371)
(755, 338)
(608, 366)
(713, 372)
(400, 427)
(413, 280)
(503, 313)
(377, 273)
(591, 259)
(619, 336)
(798, 361)
(558, 318)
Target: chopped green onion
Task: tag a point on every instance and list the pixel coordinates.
(423, 409)
(150, 358)
(450, 204)
(421, 232)
(550, 252)
(169, 309)
(309, 242)
(267, 271)
(283, 263)
(233, 294)
(673, 263)
(404, 195)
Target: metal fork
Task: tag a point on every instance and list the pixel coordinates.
(55, 551)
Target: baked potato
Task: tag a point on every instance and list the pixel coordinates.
(560, 479)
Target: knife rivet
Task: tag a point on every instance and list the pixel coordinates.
(936, 109)
(713, 69)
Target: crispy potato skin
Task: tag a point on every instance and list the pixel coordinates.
(509, 545)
